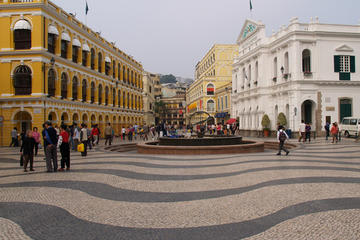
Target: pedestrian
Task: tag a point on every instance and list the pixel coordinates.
(51, 150)
(76, 136)
(27, 150)
(95, 135)
(84, 138)
(36, 136)
(327, 129)
(307, 132)
(89, 142)
(282, 137)
(14, 138)
(302, 131)
(63, 144)
(108, 134)
(123, 131)
(334, 132)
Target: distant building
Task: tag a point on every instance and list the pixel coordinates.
(53, 67)
(149, 80)
(212, 73)
(307, 71)
(175, 113)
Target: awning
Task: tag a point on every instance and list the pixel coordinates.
(86, 48)
(53, 30)
(76, 43)
(231, 121)
(65, 37)
(22, 25)
(107, 59)
(193, 106)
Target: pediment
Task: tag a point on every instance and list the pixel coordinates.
(344, 48)
(249, 28)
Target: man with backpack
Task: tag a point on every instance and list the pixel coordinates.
(282, 137)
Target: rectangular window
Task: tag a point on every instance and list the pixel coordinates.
(51, 43)
(226, 102)
(75, 54)
(344, 65)
(84, 58)
(64, 47)
(222, 103)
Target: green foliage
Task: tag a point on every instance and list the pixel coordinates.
(265, 121)
(282, 119)
(168, 79)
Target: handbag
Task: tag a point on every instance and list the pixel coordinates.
(81, 147)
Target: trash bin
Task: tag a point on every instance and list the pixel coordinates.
(288, 132)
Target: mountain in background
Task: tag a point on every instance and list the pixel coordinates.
(169, 78)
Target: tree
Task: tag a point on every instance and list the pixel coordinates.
(265, 122)
(282, 119)
(168, 79)
(160, 109)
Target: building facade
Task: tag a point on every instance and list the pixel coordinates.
(175, 109)
(213, 72)
(149, 81)
(307, 71)
(53, 67)
(223, 103)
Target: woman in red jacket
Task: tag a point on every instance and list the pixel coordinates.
(63, 143)
(334, 132)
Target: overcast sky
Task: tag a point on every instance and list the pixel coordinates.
(171, 36)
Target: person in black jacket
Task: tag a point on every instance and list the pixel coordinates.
(27, 150)
(51, 150)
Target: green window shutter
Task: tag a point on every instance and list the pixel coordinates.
(345, 76)
(352, 64)
(336, 63)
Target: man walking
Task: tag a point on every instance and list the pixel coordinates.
(14, 138)
(108, 134)
(282, 137)
(302, 131)
(51, 144)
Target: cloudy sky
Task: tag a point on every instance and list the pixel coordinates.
(171, 36)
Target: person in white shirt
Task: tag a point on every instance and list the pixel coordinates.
(282, 137)
(76, 136)
(302, 131)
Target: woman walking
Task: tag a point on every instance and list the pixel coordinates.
(36, 136)
(27, 150)
(334, 132)
(63, 143)
(84, 138)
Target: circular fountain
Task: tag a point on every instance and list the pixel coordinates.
(200, 146)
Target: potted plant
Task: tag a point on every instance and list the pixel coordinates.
(265, 122)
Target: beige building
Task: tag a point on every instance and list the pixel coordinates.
(149, 81)
(212, 73)
(175, 113)
(223, 103)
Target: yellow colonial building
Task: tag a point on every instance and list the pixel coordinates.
(212, 73)
(53, 67)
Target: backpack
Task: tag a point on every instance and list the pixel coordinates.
(282, 136)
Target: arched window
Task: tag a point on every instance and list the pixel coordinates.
(286, 63)
(113, 97)
(22, 35)
(114, 69)
(124, 100)
(132, 102)
(107, 65)
(119, 98)
(306, 61)
(84, 90)
(92, 90)
(256, 73)
(76, 45)
(22, 80)
(210, 106)
(136, 101)
(132, 78)
(123, 75)
(85, 53)
(99, 62)
(65, 39)
(92, 59)
(210, 89)
(100, 94)
(128, 100)
(51, 83)
(128, 76)
(53, 33)
(119, 71)
(75, 88)
(275, 68)
(64, 81)
(106, 95)
(136, 80)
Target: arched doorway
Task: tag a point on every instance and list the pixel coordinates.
(101, 125)
(52, 117)
(93, 120)
(308, 112)
(65, 118)
(23, 121)
(85, 118)
(76, 118)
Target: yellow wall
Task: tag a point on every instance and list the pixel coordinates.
(34, 109)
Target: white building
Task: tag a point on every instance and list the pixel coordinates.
(306, 71)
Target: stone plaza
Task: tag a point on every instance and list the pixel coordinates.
(311, 194)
